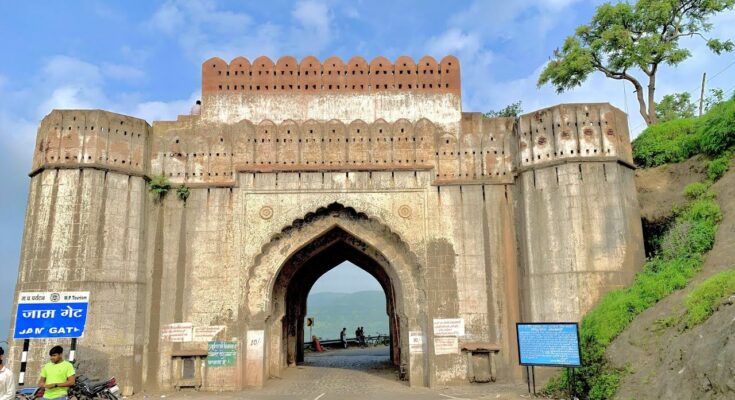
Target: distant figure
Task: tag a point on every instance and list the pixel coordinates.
(7, 382)
(362, 337)
(357, 335)
(317, 346)
(343, 337)
(196, 109)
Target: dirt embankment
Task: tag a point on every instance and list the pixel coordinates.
(666, 361)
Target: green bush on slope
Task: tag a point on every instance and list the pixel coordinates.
(673, 141)
(703, 300)
(667, 142)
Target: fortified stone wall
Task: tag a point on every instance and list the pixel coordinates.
(493, 220)
(578, 209)
(311, 90)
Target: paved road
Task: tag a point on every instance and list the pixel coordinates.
(361, 374)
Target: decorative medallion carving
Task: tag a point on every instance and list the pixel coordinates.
(404, 211)
(266, 212)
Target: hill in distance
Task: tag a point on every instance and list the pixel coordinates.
(334, 311)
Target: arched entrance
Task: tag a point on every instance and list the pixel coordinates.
(293, 261)
(305, 267)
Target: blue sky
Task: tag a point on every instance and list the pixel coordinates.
(143, 58)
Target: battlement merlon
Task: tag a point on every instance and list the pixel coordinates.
(311, 89)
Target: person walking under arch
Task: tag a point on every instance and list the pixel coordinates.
(343, 337)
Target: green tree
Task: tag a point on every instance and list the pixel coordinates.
(624, 37)
(675, 106)
(511, 110)
(716, 96)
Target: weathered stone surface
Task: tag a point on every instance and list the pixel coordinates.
(492, 220)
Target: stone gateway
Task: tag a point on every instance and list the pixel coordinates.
(470, 224)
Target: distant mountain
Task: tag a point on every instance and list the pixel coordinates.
(333, 311)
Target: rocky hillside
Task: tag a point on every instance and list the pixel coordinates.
(665, 360)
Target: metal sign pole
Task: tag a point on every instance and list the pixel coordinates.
(23, 362)
(533, 373)
(528, 379)
(73, 350)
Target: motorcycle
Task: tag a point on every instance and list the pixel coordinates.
(85, 389)
(29, 393)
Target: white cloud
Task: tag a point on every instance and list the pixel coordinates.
(123, 72)
(162, 110)
(202, 30)
(312, 15)
(168, 18)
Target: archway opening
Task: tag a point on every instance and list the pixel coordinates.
(303, 269)
(347, 298)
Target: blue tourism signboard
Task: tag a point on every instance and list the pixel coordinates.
(549, 344)
(43, 315)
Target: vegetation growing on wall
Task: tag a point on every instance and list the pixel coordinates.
(691, 235)
(159, 185)
(183, 192)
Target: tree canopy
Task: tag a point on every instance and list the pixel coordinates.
(511, 110)
(625, 37)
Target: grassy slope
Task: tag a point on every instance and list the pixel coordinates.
(667, 361)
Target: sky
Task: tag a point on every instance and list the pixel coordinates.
(345, 278)
(143, 58)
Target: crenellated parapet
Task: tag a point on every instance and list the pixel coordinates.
(332, 89)
(203, 153)
(287, 75)
(92, 138)
(573, 132)
(200, 152)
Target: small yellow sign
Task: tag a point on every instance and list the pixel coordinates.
(310, 321)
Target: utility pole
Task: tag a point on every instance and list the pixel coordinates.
(701, 94)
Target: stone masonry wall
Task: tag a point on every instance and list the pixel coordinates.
(493, 220)
(84, 232)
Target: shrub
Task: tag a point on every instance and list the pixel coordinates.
(687, 237)
(695, 190)
(159, 186)
(717, 167)
(667, 142)
(703, 300)
(705, 209)
(716, 128)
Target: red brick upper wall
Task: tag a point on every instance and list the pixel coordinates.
(310, 76)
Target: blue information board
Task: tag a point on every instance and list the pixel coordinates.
(43, 315)
(551, 344)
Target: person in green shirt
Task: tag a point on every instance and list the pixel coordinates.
(57, 375)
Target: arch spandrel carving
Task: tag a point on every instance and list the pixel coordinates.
(407, 272)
